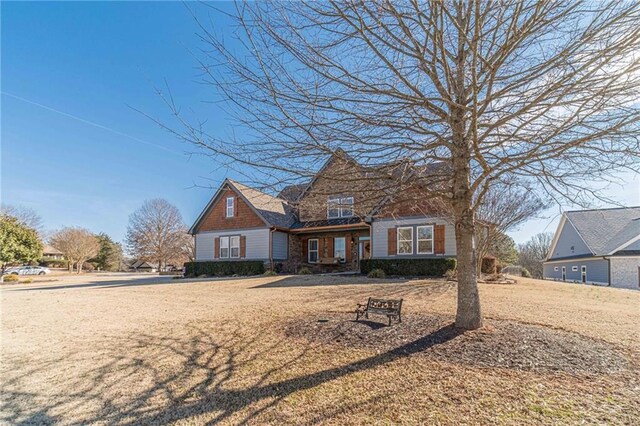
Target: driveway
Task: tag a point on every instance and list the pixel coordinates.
(97, 279)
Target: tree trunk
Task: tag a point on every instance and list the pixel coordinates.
(468, 315)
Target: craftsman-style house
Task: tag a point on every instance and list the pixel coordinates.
(328, 224)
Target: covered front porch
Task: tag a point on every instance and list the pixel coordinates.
(330, 249)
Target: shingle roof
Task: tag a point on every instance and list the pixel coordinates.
(606, 230)
(291, 193)
(274, 210)
(327, 222)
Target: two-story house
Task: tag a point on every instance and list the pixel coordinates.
(341, 216)
(597, 247)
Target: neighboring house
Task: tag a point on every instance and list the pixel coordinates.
(142, 266)
(50, 253)
(326, 224)
(597, 247)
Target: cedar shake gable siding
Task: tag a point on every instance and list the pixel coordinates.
(340, 177)
(215, 218)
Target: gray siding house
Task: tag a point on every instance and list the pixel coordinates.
(597, 247)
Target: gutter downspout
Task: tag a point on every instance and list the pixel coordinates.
(271, 231)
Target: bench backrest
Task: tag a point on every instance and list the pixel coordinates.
(384, 304)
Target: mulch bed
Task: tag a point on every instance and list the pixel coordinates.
(502, 344)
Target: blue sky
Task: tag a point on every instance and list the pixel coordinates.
(68, 64)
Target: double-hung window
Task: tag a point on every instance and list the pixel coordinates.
(224, 247)
(333, 208)
(339, 248)
(313, 251)
(346, 207)
(230, 207)
(234, 243)
(425, 239)
(405, 240)
(339, 207)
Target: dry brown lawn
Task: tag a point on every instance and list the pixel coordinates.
(251, 351)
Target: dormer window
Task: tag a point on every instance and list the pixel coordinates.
(339, 207)
(230, 207)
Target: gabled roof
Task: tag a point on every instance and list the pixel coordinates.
(47, 249)
(272, 210)
(605, 231)
(275, 211)
(291, 193)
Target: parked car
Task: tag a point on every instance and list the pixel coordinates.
(27, 270)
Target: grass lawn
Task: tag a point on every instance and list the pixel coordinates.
(252, 351)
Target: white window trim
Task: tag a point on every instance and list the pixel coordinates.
(425, 239)
(574, 268)
(335, 202)
(317, 250)
(231, 247)
(230, 207)
(349, 209)
(398, 240)
(227, 239)
(344, 259)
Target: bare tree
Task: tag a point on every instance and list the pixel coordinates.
(503, 208)
(77, 244)
(544, 91)
(532, 253)
(156, 233)
(25, 215)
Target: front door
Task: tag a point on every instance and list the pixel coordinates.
(583, 273)
(564, 273)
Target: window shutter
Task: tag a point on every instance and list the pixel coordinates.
(439, 239)
(216, 248)
(392, 241)
(235, 206)
(321, 245)
(347, 247)
(305, 249)
(243, 246)
(330, 247)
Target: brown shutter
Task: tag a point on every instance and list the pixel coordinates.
(235, 205)
(392, 241)
(243, 246)
(305, 249)
(330, 247)
(216, 247)
(439, 239)
(347, 247)
(321, 247)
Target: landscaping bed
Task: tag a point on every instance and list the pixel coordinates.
(500, 343)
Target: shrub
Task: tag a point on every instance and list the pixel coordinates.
(499, 267)
(525, 273)
(270, 273)
(53, 263)
(430, 267)
(27, 281)
(304, 271)
(223, 268)
(488, 265)
(377, 273)
(11, 278)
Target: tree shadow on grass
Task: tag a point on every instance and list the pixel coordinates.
(158, 379)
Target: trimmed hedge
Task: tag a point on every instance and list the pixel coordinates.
(240, 267)
(430, 267)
